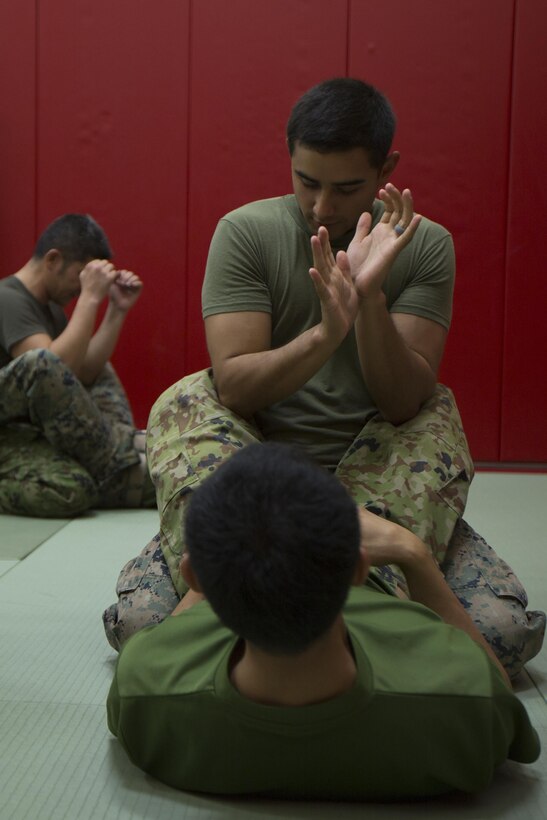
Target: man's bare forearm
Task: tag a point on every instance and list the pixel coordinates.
(72, 344)
(398, 378)
(102, 344)
(252, 381)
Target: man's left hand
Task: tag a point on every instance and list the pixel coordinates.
(371, 253)
(126, 290)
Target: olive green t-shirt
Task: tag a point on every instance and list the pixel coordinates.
(22, 315)
(259, 260)
(428, 712)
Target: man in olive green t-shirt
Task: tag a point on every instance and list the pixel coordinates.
(326, 313)
(67, 436)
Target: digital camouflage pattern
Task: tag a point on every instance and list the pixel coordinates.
(189, 434)
(494, 598)
(65, 448)
(484, 584)
(417, 474)
(146, 595)
(37, 480)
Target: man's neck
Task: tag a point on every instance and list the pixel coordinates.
(31, 276)
(323, 671)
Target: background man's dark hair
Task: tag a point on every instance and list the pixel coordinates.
(273, 540)
(341, 114)
(76, 236)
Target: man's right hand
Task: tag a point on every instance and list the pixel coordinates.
(97, 277)
(334, 286)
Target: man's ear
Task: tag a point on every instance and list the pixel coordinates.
(53, 259)
(388, 168)
(362, 568)
(187, 572)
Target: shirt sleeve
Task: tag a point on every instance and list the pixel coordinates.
(428, 281)
(20, 318)
(234, 275)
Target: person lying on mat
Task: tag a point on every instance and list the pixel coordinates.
(287, 671)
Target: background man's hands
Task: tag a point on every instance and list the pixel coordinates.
(97, 277)
(100, 278)
(125, 290)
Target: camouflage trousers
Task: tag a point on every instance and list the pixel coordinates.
(65, 448)
(417, 474)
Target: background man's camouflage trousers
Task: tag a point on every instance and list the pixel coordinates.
(65, 448)
(417, 474)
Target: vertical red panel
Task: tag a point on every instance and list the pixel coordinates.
(524, 398)
(446, 69)
(17, 133)
(251, 60)
(113, 142)
(113, 132)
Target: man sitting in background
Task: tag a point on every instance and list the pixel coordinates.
(275, 678)
(67, 437)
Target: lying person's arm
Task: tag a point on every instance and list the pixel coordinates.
(187, 601)
(388, 543)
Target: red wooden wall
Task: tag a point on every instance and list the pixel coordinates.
(159, 119)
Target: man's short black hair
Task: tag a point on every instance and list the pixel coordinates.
(76, 236)
(341, 114)
(273, 540)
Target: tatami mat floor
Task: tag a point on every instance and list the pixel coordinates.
(58, 761)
